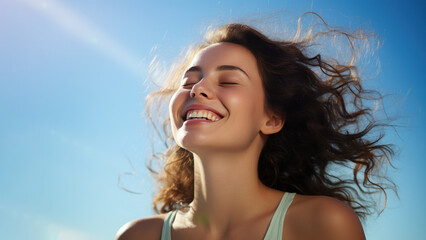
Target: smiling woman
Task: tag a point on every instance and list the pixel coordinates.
(256, 128)
(221, 87)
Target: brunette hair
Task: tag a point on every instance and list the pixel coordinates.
(327, 123)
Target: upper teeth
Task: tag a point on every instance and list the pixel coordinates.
(202, 114)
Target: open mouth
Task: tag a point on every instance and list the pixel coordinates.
(202, 115)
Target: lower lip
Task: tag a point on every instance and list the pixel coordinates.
(197, 121)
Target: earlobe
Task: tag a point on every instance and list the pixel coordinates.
(273, 125)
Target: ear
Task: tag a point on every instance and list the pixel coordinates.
(273, 124)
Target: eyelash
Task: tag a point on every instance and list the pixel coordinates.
(222, 83)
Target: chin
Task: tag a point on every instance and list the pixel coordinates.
(197, 145)
(193, 144)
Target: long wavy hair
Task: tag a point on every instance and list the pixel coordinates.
(328, 124)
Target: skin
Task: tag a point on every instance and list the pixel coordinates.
(230, 202)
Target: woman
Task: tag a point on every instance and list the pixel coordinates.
(255, 134)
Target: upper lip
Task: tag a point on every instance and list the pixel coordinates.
(199, 107)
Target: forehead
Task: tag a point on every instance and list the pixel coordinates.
(226, 54)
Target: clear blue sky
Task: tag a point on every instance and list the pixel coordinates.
(72, 88)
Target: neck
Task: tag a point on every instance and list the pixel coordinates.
(226, 187)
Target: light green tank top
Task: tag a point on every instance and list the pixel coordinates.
(275, 229)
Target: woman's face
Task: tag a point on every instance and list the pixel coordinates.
(220, 103)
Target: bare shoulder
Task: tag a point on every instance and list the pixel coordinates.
(325, 218)
(145, 228)
(339, 220)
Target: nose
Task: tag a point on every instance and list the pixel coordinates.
(201, 89)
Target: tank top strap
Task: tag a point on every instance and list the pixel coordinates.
(167, 225)
(275, 229)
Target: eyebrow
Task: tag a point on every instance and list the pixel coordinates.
(219, 68)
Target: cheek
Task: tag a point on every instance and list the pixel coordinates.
(172, 104)
(176, 103)
(247, 104)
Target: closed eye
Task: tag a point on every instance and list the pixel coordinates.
(187, 84)
(228, 83)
